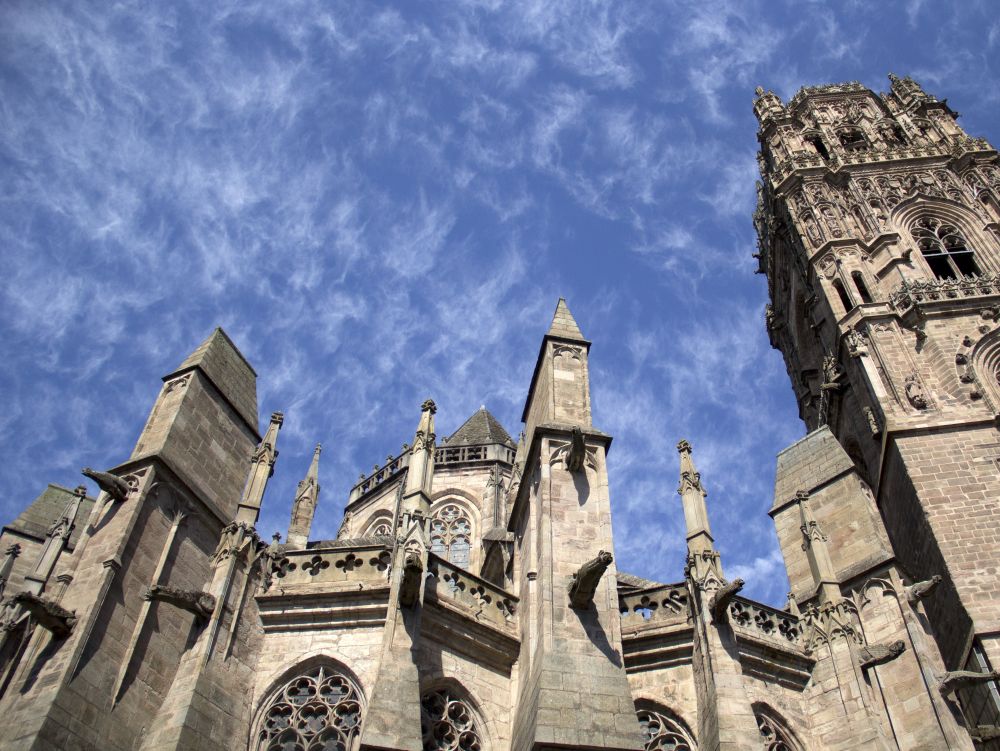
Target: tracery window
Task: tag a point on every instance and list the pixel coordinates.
(944, 249)
(451, 535)
(448, 723)
(661, 732)
(773, 733)
(319, 710)
(380, 528)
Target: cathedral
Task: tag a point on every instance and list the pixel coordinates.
(471, 600)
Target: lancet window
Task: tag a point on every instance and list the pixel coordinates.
(451, 534)
(448, 723)
(663, 732)
(944, 249)
(318, 710)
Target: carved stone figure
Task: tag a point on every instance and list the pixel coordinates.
(200, 603)
(917, 592)
(577, 451)
(915, 392)
(111, 484)
(581, 591)
(958, 679)
(873, 425)
(47, 614)
(409, 586)
(718, 605)
(877, 654)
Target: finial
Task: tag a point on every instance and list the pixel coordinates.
(276, 537)
(683, 447)
(759, 91)
(278, 417)
(81, 490)
(429, 406)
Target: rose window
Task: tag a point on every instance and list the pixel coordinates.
(451, 535)
(318, 711)
(662, 733)
(448, 724)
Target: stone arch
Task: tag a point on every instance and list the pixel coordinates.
(318, 700)
(775, 733)
(986, 368)
(379, 519)
(448, 712)
(662, 728)
(909, 212)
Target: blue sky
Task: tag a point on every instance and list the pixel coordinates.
(382, 203)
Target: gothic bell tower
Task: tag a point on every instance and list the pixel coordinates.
(878, 221)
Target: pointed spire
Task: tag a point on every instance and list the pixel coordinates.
(420, 474)
(692, 495)
(814, 543)
(304, 506)
(563, 324)
(261, 469)
(221, 361)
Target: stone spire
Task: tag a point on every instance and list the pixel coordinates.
(304, 506)
(700, 543)
(261, 469)
(563, 324)
(417, 495)
(814, 543)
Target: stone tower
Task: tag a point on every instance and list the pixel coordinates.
(878, 233)
(471, 600)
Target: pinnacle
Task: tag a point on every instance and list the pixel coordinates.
(563, 324)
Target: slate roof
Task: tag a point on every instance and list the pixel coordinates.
(482, 427)
(36, 519)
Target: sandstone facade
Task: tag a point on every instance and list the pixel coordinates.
(471, 599)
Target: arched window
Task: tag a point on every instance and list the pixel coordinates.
(380, 526)
(451, 535)
(448, 723)
(859, 282)
(663, 731)
(842, 293)
(944, 249)
(817, 143)
(852, 139)
(318, 710)
(773, 732)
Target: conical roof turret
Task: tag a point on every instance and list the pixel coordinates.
(481, 427)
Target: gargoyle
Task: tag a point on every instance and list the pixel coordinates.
(983, 733)
(916, 592)
(409, 586)
(200, 603)
(718, 606)
(877, 654)
(958, 679)
(581, 591)
(577, 451)
(111, 484)
(47, 614)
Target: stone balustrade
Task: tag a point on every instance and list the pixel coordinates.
(658, 604)
(911, 293)
(445, 454)
(764, 622)
(361, 564)
(483, 601)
